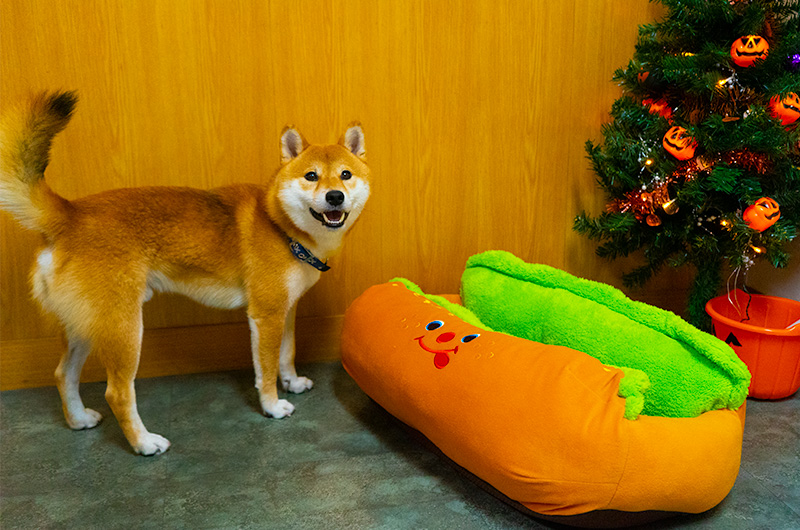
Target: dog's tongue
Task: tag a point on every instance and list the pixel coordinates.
(333, 216)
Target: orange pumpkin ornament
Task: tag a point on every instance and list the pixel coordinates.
(745, 51)
(660, 107)
(787, 109)
(679, 144)
(763, 214)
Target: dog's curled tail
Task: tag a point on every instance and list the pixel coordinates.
(26, 132)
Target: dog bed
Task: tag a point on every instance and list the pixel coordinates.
(691, 371)
(546, 427)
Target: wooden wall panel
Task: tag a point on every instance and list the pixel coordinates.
(475, 114)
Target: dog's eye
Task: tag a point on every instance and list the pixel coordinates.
(436, 324)
(470, 338)
(311, 176)
(346, 175)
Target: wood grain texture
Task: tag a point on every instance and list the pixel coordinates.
(168, 351)
(475, 114)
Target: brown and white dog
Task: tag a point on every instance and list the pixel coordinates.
(243, 245)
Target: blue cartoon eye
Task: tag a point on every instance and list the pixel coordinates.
(470, 338)
(436, 324)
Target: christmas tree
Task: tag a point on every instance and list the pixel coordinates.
(700, 161)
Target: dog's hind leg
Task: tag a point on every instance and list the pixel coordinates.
(62, 301)
(117, 341)
(118, 345)
(68, 376)
(101, 313)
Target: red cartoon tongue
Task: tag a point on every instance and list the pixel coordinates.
(334, 216)
(441, 359)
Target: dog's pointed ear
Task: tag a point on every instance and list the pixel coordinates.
(353, 140)
(292, 144)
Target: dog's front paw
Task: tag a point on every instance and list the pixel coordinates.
(278, 409)
(151, 444)
(86, 420)
(297, 385)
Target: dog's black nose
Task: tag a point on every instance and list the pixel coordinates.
(334, 198)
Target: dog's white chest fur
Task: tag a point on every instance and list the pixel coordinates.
(299, 278)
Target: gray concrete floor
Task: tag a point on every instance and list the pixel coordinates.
(339, 462)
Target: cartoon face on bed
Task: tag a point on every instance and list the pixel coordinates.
(441, 343)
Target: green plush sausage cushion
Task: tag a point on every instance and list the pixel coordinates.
(690, 371)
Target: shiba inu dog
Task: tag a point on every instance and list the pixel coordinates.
(244, 245)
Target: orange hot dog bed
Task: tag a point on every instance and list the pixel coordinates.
(541, 424)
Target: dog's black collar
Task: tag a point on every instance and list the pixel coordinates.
(303, 254)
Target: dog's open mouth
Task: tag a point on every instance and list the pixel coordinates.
(331, 218)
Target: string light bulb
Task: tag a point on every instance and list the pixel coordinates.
(670, 207)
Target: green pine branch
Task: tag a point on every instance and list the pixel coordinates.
(746, 153)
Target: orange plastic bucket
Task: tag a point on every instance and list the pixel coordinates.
(768, 343)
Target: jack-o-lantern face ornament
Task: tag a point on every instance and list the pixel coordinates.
(763, 214)
(659, 107)
(748, 49)
(787, 109)
(679, 144)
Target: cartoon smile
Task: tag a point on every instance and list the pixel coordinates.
(681, 141)
(441, 358)
(749, 54)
